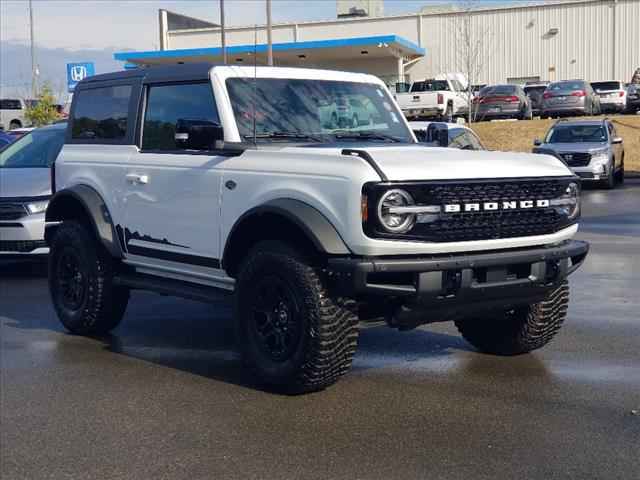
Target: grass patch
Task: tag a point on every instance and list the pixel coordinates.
(518, 136)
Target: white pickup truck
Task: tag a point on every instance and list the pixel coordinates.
(443, 99)
(12, 112)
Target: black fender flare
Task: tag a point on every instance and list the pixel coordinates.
(313, 224)
(94, 208)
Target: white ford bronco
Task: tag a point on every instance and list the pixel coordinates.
(208, 181)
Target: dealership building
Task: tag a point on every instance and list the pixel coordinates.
(551, 40)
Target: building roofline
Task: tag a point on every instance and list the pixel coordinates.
(277, 47)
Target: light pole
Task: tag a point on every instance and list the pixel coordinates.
(269, 40)
(34, 73)
(223, 40)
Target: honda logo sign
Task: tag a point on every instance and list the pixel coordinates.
(76, 72)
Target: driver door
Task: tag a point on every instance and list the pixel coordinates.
(172, 201)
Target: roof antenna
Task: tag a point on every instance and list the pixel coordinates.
(255, 79)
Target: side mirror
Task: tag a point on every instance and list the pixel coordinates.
(616, 140)
(442, 137)
(198, 134)
(537, 142)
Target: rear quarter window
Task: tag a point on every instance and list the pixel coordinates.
(101, 114)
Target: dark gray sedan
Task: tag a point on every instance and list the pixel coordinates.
(502, 101)
(570, 97)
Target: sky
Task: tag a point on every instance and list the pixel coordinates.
(81, 30)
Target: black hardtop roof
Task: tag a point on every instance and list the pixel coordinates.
(161, 73)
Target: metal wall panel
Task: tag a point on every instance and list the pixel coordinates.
(518, 41)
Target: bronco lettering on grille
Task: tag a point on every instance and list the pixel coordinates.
(493, 206)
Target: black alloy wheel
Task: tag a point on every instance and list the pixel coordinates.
(275, 319)
(72, 280)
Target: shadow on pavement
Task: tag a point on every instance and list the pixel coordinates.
(17, 268)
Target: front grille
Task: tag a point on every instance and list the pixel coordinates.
(482, 225)
(12, 211)
(21, 246)
(576, 159)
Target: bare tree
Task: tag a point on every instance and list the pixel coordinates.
(472, 50)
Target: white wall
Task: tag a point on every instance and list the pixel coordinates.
(516, 40)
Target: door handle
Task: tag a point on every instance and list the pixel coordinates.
(137, 179)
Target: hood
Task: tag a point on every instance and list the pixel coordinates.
(575, 147)
(25, 182)
(417, 162)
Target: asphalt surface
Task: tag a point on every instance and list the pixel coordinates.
(166, 397)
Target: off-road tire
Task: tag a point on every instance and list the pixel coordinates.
(328, 326)
(14, 124)
(101, 305)
(518, 330)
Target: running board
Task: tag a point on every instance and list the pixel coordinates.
(168, 286)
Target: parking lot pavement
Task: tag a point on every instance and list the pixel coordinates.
(166, 397)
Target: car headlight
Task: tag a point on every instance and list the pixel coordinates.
(395, 212)
(569, 203)
(37, 207)
(600, 158)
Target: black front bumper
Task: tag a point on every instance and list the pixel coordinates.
(512, 276)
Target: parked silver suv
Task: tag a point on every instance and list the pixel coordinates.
(613, 96)
(570, 97)
(25, 190)
(590, 148)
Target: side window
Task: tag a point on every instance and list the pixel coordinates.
(457, 138)
(474, 142)
(6, 104)
(174, 109)
(101, 113)
(421, 135)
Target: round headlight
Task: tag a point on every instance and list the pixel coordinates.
(569, 203)
(392, 211)
(573, 192)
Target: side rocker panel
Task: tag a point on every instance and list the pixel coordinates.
(95, 209)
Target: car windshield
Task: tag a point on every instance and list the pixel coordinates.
(314, 110)
(499, 90)
(577, 134)
(37, 149)
(539, 90)
(556, 87)
(606, 86)
(430, 86)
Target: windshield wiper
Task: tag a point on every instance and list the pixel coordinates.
(366, 136)
(285, 135)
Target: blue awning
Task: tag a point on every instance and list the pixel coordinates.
(388, 45)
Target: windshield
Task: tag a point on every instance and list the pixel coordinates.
(535, 90)
(314, 110)
(430, 86)
(37, 149)
(499, 90)
(577, 134)
(556, 87)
